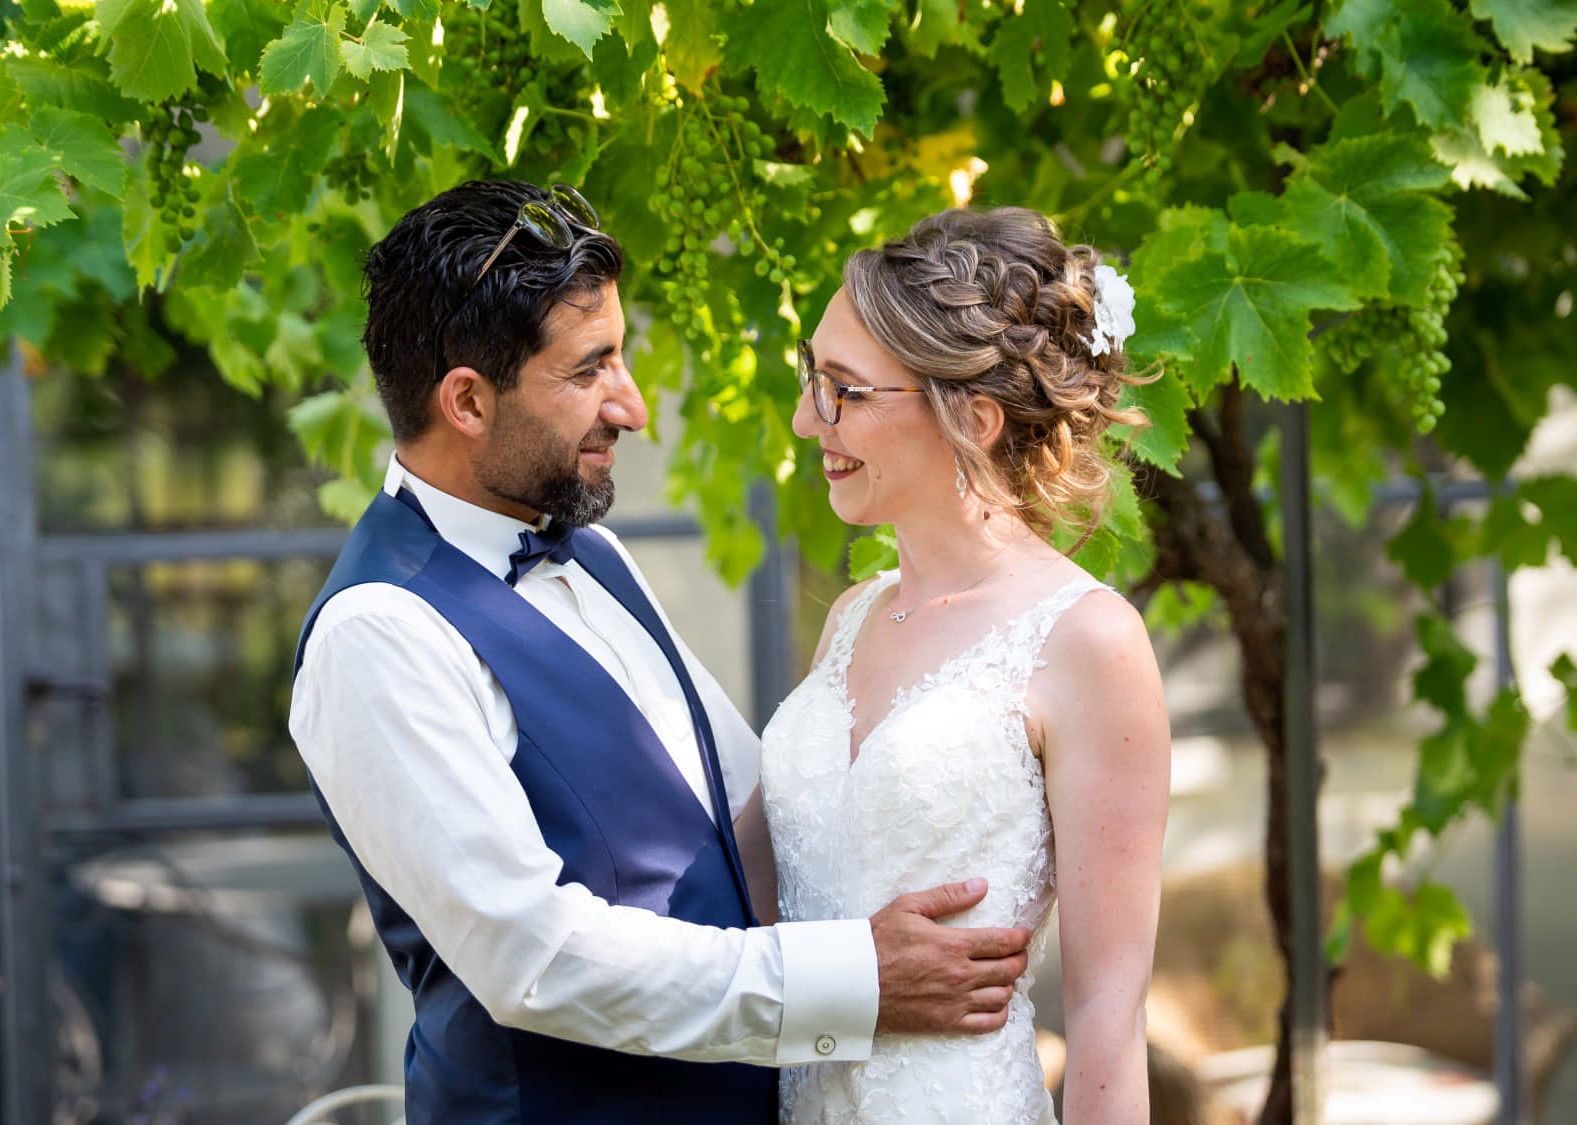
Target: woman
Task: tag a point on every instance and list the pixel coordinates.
(957, 386)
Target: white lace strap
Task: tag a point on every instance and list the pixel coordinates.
(841, 649)
(1027, 633)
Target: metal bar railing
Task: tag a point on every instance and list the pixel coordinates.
(1308, 969)
(26, 1032)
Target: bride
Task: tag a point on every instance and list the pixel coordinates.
(987, 708)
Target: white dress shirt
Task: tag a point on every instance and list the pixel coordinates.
(409, 738)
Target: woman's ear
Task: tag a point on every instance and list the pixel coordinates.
(986, 420)
(464, 400)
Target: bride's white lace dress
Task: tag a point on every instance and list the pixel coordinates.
(944, 787)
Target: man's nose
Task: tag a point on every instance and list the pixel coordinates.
(624, 407)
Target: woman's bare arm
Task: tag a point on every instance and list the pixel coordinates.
(1099, 716)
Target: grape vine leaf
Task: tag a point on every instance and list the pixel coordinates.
(1256, 28)
(417, 9)
(1523, 25)
(870, 554)
(1248, 306)
(1512, 132)
(1439, 922)
(1428, 548)
(84, 332)
(691, 44)
(276, 171)
(308, 51)
(1506, 533)
(1441, 680)
(13, 103)
(247, 27)
(345, 498)
(1424, 52)
(787, 44)
(1564, 670)
(937, 23)
(1556, 498)
(861, 24)
(1505, 117)
(47, 82)
(582, 22)
(1165, 403)
(1042, 24)
(155, 45)
(225, 249)
(338, 429)
(380, 49)
(1361, 199)
(143, 232)
(432, 116)
(81, 146)
(1179, 232)
(29, 195)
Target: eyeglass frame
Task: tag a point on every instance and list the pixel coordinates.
(565, 207)
(807, 371)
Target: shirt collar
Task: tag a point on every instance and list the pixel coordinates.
(486, 536)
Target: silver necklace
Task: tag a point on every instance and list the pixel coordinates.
(902, 615)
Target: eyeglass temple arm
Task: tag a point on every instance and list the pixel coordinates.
(509, 236)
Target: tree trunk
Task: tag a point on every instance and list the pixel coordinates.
(1223, 544)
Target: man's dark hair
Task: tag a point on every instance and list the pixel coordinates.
(419, 273)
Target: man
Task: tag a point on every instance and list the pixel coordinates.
(534, 779)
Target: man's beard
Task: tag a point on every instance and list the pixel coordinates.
(528, 464)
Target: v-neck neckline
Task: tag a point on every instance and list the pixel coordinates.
(905, 694)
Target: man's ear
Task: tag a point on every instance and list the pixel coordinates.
(465, 401)
(986, 420)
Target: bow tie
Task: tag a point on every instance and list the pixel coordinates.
(556, 542)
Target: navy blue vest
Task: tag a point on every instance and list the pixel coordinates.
(609, 800)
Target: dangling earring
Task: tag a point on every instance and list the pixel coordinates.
(960, 482)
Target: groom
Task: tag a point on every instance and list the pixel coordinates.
(534, 778)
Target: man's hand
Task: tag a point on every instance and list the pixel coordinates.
(943, 978)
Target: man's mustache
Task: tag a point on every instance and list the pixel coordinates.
(600, 439)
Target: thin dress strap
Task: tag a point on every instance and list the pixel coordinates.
(841, 648)
(1028, 631)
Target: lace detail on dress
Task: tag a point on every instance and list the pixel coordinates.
(944, 787)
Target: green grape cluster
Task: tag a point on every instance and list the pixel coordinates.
(707, 190)
(486, 52)
(1404, 343)
(1170, 74)
(351, 174)
(170, 133)
(489, 64)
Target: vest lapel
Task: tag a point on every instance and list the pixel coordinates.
(603, 563)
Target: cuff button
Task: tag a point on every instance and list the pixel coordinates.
(826, 1044)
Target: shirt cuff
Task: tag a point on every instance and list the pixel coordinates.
(830, 991)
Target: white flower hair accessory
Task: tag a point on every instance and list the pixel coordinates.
(1114, 301)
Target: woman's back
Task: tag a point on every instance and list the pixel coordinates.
(944, 786)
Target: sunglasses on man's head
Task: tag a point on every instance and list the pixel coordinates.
(550, 221)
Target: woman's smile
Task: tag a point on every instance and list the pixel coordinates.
(837, 466)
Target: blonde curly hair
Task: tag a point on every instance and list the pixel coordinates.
(993, 303)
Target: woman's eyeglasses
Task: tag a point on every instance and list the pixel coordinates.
(827, 393)
(550, 221)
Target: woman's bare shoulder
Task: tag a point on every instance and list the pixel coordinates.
(1097, 663)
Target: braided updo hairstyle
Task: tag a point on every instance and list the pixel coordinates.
(993, 303)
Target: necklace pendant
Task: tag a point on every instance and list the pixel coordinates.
(898, 615)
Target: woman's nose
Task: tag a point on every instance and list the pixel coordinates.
(807, 423)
